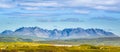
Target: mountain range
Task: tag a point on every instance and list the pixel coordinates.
(68, 33)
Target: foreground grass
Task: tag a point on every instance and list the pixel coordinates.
(37, 47)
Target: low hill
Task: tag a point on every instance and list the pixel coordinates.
(92, 41)
(13, 39)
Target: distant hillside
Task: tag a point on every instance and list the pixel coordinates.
(115, 41)
(69, 33)
(13, 39)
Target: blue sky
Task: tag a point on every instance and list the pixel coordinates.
(60, 14)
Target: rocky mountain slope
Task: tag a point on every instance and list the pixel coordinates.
(58, 34)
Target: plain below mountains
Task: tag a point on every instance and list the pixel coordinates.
(68, 33)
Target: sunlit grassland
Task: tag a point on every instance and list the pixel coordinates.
(38, 47)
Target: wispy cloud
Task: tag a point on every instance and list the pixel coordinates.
(31, 8)
(4, 5)
(72, 20)
(60, 20)
(18, 14)
(97, 4)
(46, 20)
(40, 4)
(82, 11)
(107, 18)
(7, 4)
(45, 14)
(106, 5)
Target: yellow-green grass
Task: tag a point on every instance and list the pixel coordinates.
(37, 47)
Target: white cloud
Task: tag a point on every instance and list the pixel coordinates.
(82, 11)
(31, 14)
(7, 4)
(112, 5)
(97, 4)
(106, 8)
(94, 2)
(40, 4)
(31, 8)
(3, 5)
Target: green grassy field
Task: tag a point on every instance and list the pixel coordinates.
(37, 47)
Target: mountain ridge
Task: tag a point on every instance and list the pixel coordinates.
(67, 33)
